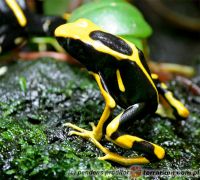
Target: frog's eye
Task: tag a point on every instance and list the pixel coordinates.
(111, 41)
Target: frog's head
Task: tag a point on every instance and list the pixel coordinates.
(75, 38)
(86, 42)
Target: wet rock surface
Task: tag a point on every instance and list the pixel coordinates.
(37, 98)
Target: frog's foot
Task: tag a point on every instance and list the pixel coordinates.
(90, 135)
(84, 133)
(126, 161)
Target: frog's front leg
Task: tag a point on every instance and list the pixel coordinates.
(115, 133)
(97, 131)
(95, 135)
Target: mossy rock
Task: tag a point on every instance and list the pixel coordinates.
(37, 98)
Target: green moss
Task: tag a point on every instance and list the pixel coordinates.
(37, 98)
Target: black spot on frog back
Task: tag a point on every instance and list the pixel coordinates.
(111, 41)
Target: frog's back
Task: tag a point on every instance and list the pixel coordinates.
(128, 84)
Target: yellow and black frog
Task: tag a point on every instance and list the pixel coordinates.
(17, 23)
(124, 79)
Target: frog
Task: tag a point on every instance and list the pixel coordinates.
(19, 23)
(124, 80)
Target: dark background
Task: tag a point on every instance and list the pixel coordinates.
(171, 43)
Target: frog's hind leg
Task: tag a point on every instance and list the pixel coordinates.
(178, 109)
(109, 155)
(114, 133)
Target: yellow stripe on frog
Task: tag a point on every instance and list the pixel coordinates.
(120, 82)
(17, 12)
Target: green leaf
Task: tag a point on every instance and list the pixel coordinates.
(12, 171)
(52, 7)
(116, 17)
(22, 83)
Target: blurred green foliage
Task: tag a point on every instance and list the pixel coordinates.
(59, 7)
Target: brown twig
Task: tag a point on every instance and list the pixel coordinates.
(56, 55)
(177, 19)
(195, 89)
(74, 4)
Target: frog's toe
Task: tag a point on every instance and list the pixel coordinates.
(74, 127)
(80, 131)
(93, 126)
(126, 161)
(82, 134)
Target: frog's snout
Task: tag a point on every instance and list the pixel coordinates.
(61, 31)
